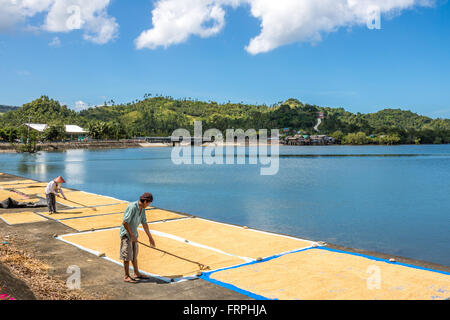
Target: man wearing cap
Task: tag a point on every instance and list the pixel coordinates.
(52, 190)
(134, 216)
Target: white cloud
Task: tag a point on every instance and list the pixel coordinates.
(80, 105)
(13, 12)
(174, 21)
(90, 16)
(282, 21)
(306, 21)
(55, 42)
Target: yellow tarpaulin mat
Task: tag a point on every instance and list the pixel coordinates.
(85, 199)
(230, 239)
(8, 194)
(87, 212)
(153, 261)
(321, 274)
(33, 200)
(114, 220)
(160, 214)
(16, 182)
(40, 191)
(20, 218)
(25, 186)
(30, 191)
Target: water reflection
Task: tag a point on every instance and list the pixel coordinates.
(33, 165)
(75, 168)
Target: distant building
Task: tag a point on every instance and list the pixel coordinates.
(71, 130)
(301, 140)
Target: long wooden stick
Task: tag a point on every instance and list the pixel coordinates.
(201, 266)
(95, 209)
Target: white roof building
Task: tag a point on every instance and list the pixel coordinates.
(70, 129)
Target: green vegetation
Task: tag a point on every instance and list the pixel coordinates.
(54, 132)
(28, 142)
(160, 116)
(8, 134)
(4, 109)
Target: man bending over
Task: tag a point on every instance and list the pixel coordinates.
(52, 190)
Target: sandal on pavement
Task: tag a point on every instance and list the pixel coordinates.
(130, 280)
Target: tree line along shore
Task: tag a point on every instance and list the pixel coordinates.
(160, 116)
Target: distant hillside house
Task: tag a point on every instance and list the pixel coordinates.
(71, 130)
(301, 140)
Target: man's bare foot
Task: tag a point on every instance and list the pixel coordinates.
(129, 280)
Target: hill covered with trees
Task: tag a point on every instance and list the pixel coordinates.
(160, 116)
(4, 109)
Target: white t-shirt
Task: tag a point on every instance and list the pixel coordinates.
(54, 188)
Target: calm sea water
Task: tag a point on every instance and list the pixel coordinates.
(394, 200)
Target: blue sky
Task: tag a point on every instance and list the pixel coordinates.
(405, 64)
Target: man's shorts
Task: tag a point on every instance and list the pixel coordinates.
(128, 249)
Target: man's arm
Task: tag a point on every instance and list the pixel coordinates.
(61, 191)
(147, 231)
(132, 235)
(126, 220)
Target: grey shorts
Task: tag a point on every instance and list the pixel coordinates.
(51, 202)
(128, 249)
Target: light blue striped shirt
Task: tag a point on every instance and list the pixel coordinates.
(134, 218)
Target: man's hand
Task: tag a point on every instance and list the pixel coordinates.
(133, 238)
(147, 231)
(152, 242)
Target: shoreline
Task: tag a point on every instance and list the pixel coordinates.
(63, 146)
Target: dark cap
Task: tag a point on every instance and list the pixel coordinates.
(146, 197)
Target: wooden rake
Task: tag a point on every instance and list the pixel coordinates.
(201, 266)
(80, 204)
